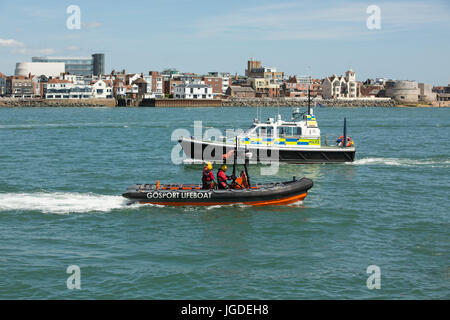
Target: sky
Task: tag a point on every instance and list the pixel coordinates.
(317, 38)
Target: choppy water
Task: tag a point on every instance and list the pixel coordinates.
(62, 172)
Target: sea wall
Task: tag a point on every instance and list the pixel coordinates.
(301, 102)
(11, 102)
(231, 102)
(184, 103)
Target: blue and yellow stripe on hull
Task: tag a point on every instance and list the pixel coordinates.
(281, 141)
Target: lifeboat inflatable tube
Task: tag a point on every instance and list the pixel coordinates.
(341, 138)
(279, 193)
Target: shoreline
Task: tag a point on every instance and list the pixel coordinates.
(231, 102)
(55, 103)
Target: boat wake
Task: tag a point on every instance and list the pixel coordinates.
(62, 202)
(403, 162)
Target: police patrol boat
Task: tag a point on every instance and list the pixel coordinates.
(295, 141)
(240, 191)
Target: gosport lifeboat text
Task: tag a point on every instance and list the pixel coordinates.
(179, 195)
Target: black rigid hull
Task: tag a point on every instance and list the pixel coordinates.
(194, 149)
(263, 194)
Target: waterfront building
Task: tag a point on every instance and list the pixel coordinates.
(316, 88)
(20, 87)
(219, 82)
(75, 79)
(65, 89)
(119, 88)
(83, 66)
(443, 96)
(442, 93)
(35, 82)
(51, 69)
(255, 70)
(193, 91)
(170, 84)
(402, 91)
(252, 64)
(132, 91)
(335, 87)
(267, 73)
(102, 89)
(240, 92)
(439, 89)
(2, 84)
(297, 86)
(76, 92)
(98, 64)
(130, 78)
(265, 87)
(122, 76)
(370, 90)
(142, 86)
(425, 93)
(40, 83)
(155, 84)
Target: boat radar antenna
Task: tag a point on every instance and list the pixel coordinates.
(296, 114)
(309, 96)
(235, 159)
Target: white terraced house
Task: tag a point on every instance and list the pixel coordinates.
(193, 91)
(64, 89)
(335, 87)
(102, 89)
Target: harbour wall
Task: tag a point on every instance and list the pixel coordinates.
(11, 102)
(231, 102)
(266, 102)
(302, 102)
(180, 103)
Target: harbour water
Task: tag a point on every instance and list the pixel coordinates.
(62, 172)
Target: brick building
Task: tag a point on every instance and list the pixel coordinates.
(240, 92)
(20, 87)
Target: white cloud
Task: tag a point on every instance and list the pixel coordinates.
(10, 43)
(29, 51)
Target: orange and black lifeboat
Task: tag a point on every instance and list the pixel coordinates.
(279, 193)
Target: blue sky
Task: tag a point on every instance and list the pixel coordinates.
(298, 37)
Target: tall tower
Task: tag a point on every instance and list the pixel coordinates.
(350, 75)
(98, 64)
(252, 64)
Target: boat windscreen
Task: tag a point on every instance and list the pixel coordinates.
(290, 131)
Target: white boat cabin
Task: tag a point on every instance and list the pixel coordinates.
(283, 133)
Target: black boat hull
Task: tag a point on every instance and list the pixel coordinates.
(282, 193)
(204, 151)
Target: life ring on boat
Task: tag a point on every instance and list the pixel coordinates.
(341, 138)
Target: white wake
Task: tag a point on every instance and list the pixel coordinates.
(61, 202)
(403, 162)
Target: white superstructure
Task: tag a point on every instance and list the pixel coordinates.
(49, 69)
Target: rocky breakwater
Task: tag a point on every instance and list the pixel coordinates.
(302, 102)
(57, 102)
